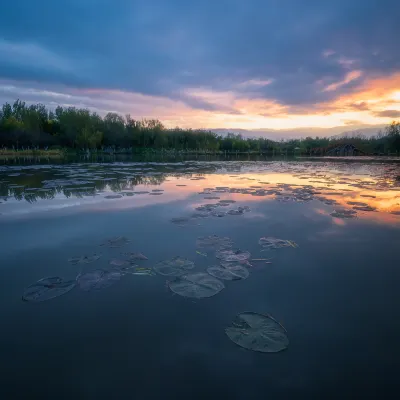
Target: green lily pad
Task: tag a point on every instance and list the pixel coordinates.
(258, 332)
(198, 285)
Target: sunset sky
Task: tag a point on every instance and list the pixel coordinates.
(254, 64)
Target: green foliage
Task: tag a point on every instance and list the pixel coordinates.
(23, 126)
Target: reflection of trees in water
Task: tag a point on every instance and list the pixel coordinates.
(31, 178)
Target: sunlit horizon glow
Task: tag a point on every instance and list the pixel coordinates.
(362, 107)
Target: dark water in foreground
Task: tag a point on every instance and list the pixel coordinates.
(337, 294)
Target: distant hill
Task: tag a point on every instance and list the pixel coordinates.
(282, 134)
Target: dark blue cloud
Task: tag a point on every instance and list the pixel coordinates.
(162, 47)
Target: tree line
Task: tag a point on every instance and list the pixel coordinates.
(25, 126)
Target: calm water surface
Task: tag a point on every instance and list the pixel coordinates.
(337, 293)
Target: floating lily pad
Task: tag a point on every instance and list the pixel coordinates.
(113, 196)
(227, 201)
(269, 243)
(125, 269)
(143, 271)
(235, 212)
(214, 241)
(84, 259)
(342, 213)
(135, 256)
(232, 273)
(258, 332)
(357, 203)
(235, 255)
(218, 214)
(118, 262)
(141, 192)
(98, 279)
(175, 266)
(47, 288)
(211, 198)
(364, 208)
(118, 241)
(198, 285)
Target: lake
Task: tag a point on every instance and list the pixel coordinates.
(119, 326)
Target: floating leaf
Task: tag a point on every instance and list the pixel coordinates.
(269, 243)
(98, 279)
(198, 285)
(47, 288)
(84, 259)
(342, 213)
(114, 242)
(214, 241)
(113, 196)
(227, 201)
(235, 255)
(357, 203)
(235, 212)
(135, 256)
(218, 214)
(118, 262)
(364, 208)
(233, 273)
(175, 266)
(258, 332)
(143, 271)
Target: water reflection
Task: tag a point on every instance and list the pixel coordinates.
(369, 190)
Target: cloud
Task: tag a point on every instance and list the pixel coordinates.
(350, 77)
(388, 113)
(362, 106)
(149, 47)
(250, 64)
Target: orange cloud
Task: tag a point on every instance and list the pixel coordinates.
(351, 76)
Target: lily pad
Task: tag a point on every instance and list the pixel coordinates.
(234, 273)
(84, 259)
(235, 212)
(198, 285)
(135, 256)
(114, 242)
(218, 214)
(98, 279)
(364, 208)
(342, 213)
(357, 203)
(118, 262)
(47, 288)
(258, 332)
(176, 266)
(214, 241)
(113, 196)
(227, 201)
(269, 243)
(143, 271)
(230, 255)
